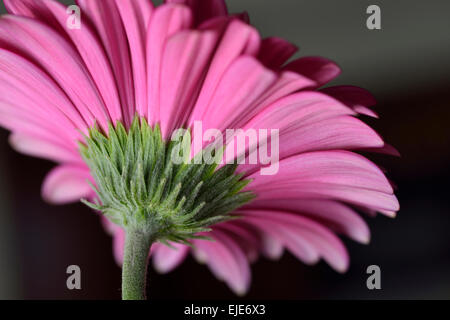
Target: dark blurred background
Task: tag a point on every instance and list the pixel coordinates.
(405, 65)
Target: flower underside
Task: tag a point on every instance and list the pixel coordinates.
(140, 188)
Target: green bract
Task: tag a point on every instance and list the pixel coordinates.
(140, 188)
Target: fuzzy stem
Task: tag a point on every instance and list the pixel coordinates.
(134, 270)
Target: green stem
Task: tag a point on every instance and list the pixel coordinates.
(134, 270)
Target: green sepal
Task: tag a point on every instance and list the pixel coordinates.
(139, 187)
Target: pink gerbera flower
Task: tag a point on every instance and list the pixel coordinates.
(103, 101)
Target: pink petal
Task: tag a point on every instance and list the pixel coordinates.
(106, 20)
(17, 117)
(165, 21)
(66, 183)
(22, 124)
(41, 148)
(55, 55)
(331, 167)
(241, 85)
(342, 132)
(332, 214)
(356, 98)
(109, 227)
(287, 83)
(204, 9)
(238, 39)
(275, 52)
(165, 259)
(272, 248)
(247, 238)
(135, 16)
(43, 95)
(226, 260)
(20, 112)
(185, 58)
(288, 237)
(298, 109)
(54, 14)
(33, 9)
(325, 242)
(318, 190)
(94, 57)
(385, 149)
(319, 69)
(366, 111)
